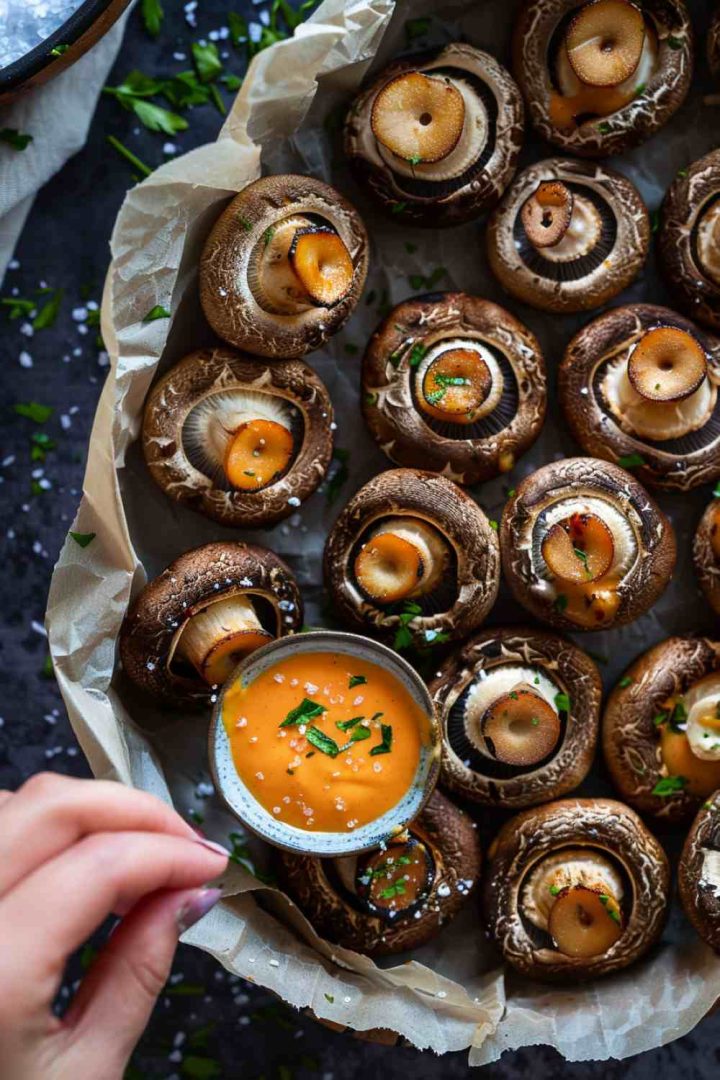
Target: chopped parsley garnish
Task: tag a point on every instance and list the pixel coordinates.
(17, 139)
(560, 602)
(322, 742)
(157, 312)
(356, 680)
(82, 539)
(631, 461)
(670, 785)
(398, 207)
(682, 173)
(48, 313)
(435, 395)
(396, 889)
(562, 702)
(17, 307)
(359, 733)
(386, 745)
(625, 682)
(554, 890)
(716, 491)
(41, 444)
(329, 997)
(493, 524)
(419, 281)
(416, 354)
(403, 635)
(306, 710)
(604, 128)
(135, 161)
(606, 902)
(673, 42)
(345, 725)
(416, 28)
(59, 50)
(34, 411)
(152, 16)
(207, 60)
(583, 558)
(414, 160)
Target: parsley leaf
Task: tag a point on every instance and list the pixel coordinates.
(356, 680)
(34, 411)
(15, 138)
(152, 16)
(631, 461)
(48, 313)
(669, 785)
(155, 118)
(82, 539)
(322, 742)
(157, 312)
(306, 710)
(562, 702)
(386, 745)
(207, 60)
(141, 167)
(18, 308)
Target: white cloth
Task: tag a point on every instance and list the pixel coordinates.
(58, 116)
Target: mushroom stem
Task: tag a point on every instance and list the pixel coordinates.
(604, 42)
(579, 549)
(585, 921)
(258, 452)
(404, 558)
(216, 638)
(456, 385)
(521, 727)
(666, 365)
(395, 878)
(418, 117)
(298, 264)
(546, 214)
(582, 233)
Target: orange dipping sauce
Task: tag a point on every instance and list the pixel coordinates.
(324, 742)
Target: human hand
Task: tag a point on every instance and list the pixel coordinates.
(71, 853)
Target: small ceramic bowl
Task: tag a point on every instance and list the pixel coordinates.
(248, 809)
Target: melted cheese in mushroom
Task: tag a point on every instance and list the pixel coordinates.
(493, 684)
(435, 351)
(624, 539)
(582, 233)
(657, 420)
(702, 702)
(573, 866)
(210, 426)
(708, 242)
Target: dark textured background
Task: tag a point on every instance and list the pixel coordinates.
(207, 1024)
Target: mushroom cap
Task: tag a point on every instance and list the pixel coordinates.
(707, 565)
(396, 422)
(535, 29)
(680, 463)
(601, 274)
(227, 299)
(566, 666)
(629, 736)
(448, 202)
(603, 825)
(441, 503)
(216, 371)
(453, 841)
(713, 45)
(690, 193)
(152, 626)
(644, 581)
(701, 898)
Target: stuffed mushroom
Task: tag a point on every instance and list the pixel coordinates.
(699, 872)
(520, 711)
(575, 889)
(600, 77)
(413, 558)
(639, 386)
(661, 728)
(283, 266)
(689, 241)
(706, 554)
(568, 235)
(240, 440)
(394, 898)
(188, 628)
(583, 545)
(454, 384)
(435, 137)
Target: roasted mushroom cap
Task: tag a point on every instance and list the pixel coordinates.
(455, 384)
(520, 711)
(583, 545)
(576, 255)
(689, 241)
(238, 439)
(448, 544)
(713, 45)
(188, 628)
(706, 554)
(394, 898)
(699, 872)
(435, 137)
(639, 386)
(575, 889)
(283, 266)
(602, 76)
(660, 733)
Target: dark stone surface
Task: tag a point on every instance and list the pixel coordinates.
(207, 1024)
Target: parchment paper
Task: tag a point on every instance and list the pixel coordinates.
(454, 992)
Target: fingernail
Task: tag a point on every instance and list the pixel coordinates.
(195, 907)
(212, 846)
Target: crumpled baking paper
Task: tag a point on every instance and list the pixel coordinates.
(453, 993)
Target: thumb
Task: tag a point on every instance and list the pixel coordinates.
(116, 998)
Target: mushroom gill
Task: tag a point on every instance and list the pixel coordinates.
(458, 381)
(216, 638)
(241, 437)
(403, 558)
(510, 716)
(299, 264)
(660, 388)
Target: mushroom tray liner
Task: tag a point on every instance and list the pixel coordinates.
(454, 993)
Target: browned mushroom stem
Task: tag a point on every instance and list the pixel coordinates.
(546, 214)
(297, 265)
(667, 364)
(404, 558)
(584, 922)
(418, 117)
(216, 639)
(457, 384)
(395, 878)
(521, 727)
(579, 548)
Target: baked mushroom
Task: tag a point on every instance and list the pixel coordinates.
(240, 440)
(283, 267)
(435, 137)
(575, 889)
(413, 558)
(602, 76)
(689, 240)
(661, 728)
(454, 384)
(519, 710)
(396, 897)
(189, 627)
(699, 872)
(713, 45)
(583, 545)
(568, 235)
(706, 554)
(639, 386)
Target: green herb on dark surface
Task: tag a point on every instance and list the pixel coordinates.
(129, 156)
(682, 173)
(329, 997)
(207, 60)
(403, 636)
(268, 235)
(386, 745)
(669, 785)
(678, 716)
(195, 817)
(82, 539)
(603, 128)
(554, 890)
(41, 444)
(14, 138)
(655, 221)
(416, 354)
(345, 725)
(200, 1068)
(322, 742)
(217, 100)
(419, 281)
(639, 90)
(356, 680)
(631, 461)
(625, 682)
(337, 475)
(157, 312)
(18, 308)
(48, 313)
(155, 118)
(152, 16)
(306, 710)
(673, 42)
(660, 719)
(232, 82)
(416, 28)
(560, 602)
(391, 891)
(398, 207)
(414, 160)
(47, 671)
(183, 989)
(493, 524)
(32, 410)
(87, 956)
(562, 702)
(350, 349)
(59, 50)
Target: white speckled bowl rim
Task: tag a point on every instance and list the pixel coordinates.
(254, 816)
